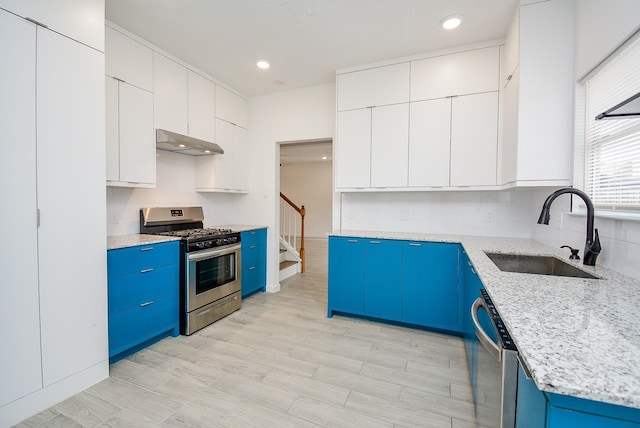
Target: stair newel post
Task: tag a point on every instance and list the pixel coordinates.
(303, 211)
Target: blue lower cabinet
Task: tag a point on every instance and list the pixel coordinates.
(531, 410)
(537, 409)
(346, 275)
(143, 294)
(409, 282)
(431, 289)
(383, 279)
(254, 261)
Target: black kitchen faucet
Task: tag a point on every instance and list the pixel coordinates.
(592, 247)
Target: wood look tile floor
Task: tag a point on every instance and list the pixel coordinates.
(280, 362)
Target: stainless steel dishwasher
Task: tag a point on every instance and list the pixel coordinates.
(495, 378)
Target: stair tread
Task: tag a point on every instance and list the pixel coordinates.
(285, 264)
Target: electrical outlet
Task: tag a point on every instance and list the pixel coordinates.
(114, 218)
(489, 217)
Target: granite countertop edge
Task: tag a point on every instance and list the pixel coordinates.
(578, 337)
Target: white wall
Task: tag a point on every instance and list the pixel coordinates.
(297, 115)
(601, 26)
(498, 213)
(310, 184)
(175, 174)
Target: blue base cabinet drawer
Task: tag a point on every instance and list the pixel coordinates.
(134, 259)
(127, 291)
(141, 323)
(143, 293)
(254, 261)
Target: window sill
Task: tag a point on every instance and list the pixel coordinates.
(611, 215)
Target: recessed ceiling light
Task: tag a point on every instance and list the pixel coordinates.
(450, 22)
(324, 158)
(263, 64)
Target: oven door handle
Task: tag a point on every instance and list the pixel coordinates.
(207, 254)
(482, 336)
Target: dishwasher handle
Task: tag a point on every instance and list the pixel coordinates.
(482, 336)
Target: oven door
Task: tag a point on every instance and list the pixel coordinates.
(211, 275)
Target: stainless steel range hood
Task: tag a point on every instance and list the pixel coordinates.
(183, 144)
(627, 109)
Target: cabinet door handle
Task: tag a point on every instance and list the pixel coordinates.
(36, 22)
(352, 240)
(469, 263)
(146, 249)
(415, 245)
(142, 305)
(252, 268)
(252, 246)
(473, 270)
(374, 242)
(146, 270)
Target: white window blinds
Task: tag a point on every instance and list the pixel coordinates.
(612, 147)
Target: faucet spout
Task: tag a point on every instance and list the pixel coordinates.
(592, 245)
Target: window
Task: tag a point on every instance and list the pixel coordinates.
(612, 147)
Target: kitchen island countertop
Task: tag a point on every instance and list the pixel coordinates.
(578, 337)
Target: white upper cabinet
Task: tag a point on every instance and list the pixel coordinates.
(430, 143)
(201, 106)
(130, 132)
(81, 20)
(474, 139)
(136, 137)
(170, 95)
(538, 99)
(469, 72)
(511, 48)
(353, 150)
(128, 60)
(374, 87)
(226, 172)
(421, 124)
(390, 145)
(231, 107)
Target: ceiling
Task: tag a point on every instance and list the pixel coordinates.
(306, 41)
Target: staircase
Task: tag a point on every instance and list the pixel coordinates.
(291, 238)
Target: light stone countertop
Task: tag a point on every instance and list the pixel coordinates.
(124, 241)
(132, 240)
(241, 227)
(579, 337)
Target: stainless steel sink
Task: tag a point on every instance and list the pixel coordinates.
(541, 265)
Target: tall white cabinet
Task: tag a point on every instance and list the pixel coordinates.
(53, 294)
(19, 274)
(538, 96)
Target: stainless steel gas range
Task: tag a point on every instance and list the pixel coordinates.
(210, 270)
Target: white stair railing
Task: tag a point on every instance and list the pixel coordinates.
(292, 226)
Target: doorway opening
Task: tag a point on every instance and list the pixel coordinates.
(305, 179)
